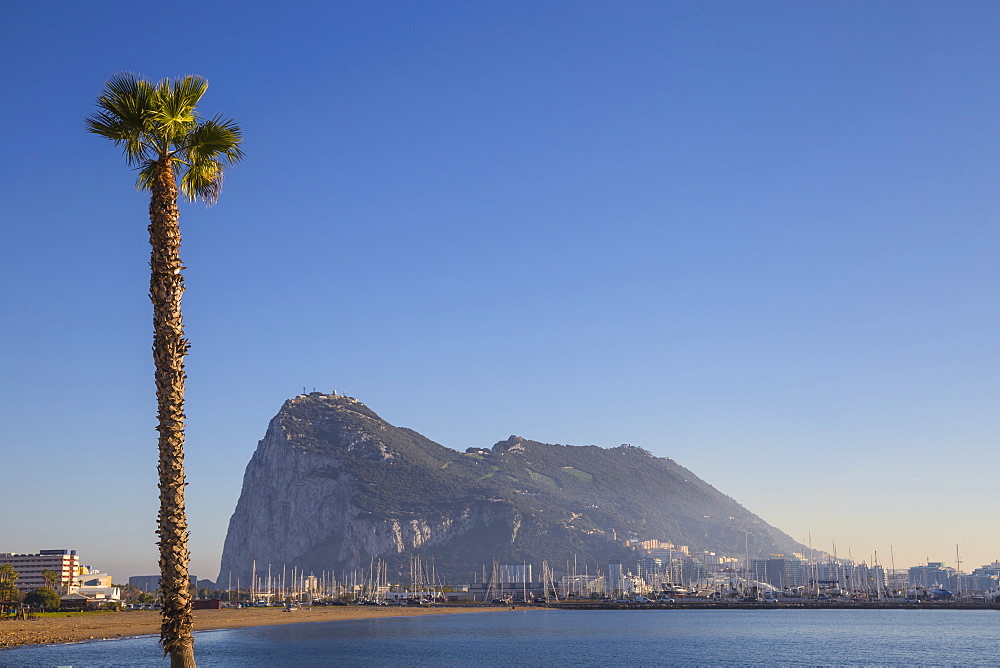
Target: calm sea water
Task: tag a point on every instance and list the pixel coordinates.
(579, 638)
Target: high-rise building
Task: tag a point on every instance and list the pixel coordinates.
(934, 574)
(778, 571)
(614, 581)
(515, 573)
(31, 568)
(693, 571)
(650, 569)
(983, 579)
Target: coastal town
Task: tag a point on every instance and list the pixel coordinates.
(662, 574)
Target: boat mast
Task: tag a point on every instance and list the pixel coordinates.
(892, 561)
(958, 571)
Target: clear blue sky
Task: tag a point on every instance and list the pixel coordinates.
(758, 238)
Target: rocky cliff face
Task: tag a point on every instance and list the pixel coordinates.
(331, 485)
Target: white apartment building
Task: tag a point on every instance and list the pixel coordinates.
(30, 567)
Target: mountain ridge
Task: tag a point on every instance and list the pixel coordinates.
(332, 485)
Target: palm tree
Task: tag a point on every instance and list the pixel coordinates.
(51, 578)
(162, 135)
(8, 577)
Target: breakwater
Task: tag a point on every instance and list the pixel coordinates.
(697, 604)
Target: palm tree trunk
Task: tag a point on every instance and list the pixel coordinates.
(166, 286)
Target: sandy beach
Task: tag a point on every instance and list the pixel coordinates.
(94, 626)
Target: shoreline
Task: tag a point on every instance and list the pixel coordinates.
(134, 623)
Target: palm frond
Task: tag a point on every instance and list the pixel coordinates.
(215, 139)
(208, 149)
(203, 180)
(174, 106)
(127, 98)
(122, 115)
(189, 90)
(147, 172)
(110, 126)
